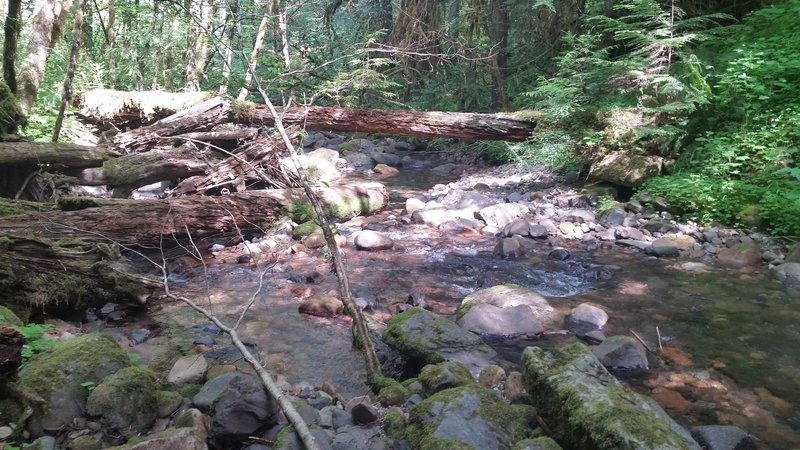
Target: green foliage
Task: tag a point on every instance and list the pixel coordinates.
(552, 150)
(36, 341)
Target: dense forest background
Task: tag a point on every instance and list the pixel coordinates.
(711, 89)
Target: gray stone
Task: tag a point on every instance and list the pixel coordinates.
(436, 217)
(206, 340)
(325, 153)
(559, 254)
(626, 169)
(509, 248)
(189, 369)
(356, 438)
(287, 439)
(641, 245)
(587, 317)
(423, 337)
(414, 204)
(372, 241)
(43, 443)
(389, 159)
(538, 231)
(493, 322)
(519, 226)
(364, 413)
(5, 432)
(360, 161)
(622, 353)
(474, 201)
(723, 437)
(509, 296)
(626, 232)
(316, 169)
(502, 214)
(469, 417)
(634, 206)
(665, 247)
(742, 254)
(794, 255)
(586, 407)
(580, 216)
(140, 335)
(788, 271)
(447, 169)
(341, 418)
(614, 217)
(540, 443)
(239, 406)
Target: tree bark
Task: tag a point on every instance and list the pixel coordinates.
(464, 126)
(124, 109)
(257, 45)
(141, 223)
(38, 153)
(66, 96)
(11, 29)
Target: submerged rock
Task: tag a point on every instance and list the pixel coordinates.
(322, 306)
(722, 437)
(586, 407)
(467, 417)
(59, 374)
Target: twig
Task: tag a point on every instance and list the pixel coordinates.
(642, 342)
(658, 332)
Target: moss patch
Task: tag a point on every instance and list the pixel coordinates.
(75, 203)
(11, 116)
(7, 317)
(394, 423)
(446, 375)
(127, 398)
(10, 207)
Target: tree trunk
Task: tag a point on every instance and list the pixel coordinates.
(464, 126)
(108, 47)
(48, 27)
(142, 223)
(257, 45)
(11, 29)
(66, 96)
(498, 34)
(40, 153)
(231, 22)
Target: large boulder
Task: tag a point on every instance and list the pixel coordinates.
(502, 214)
(507, 296)
(628, 170)
(587, 407)
(492, 322)
(422, 338)
(59, 375)
(788, 272)
(315, 168)
(126, 399)
(238, 405)
(743, 254)
(467, 417)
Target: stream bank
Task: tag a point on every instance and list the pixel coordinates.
(730, 331)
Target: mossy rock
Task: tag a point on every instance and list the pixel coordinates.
(445, 375)
(287, 439)
(59, 375)
(467, 417)
(126, 399)
(306, 229)
(586, 407)
(168, 402)
(173, 438)
(540, 443)
(86, 442)
(7, 317)
(394, 423)
(11, 116)
(423, 338)
(393, 395)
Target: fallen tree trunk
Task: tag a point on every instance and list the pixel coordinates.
(464, 126)
(164, 222)
(70, 155)
(133, 108)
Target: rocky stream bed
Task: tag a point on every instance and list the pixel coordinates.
(499, 300)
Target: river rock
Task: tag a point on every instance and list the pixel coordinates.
(317, 169)
(385, 170)
(436, 217)
(322, 306)
(474, 201)
(364, 413)
(626, 232)
(587, 407)
(509, 296)
(445, 375)
(447, 169)
(622, 353)
(580, 216)
(613, 217)
(665, 247)
(492, 322)
(386, 159)
(502, 214)
(641, 245)
(467, 417)
(521, 227)
(587, 317)
(744, 254)
(538, 231)
(414, 204)
(559, 254)
(332, 156)
(126, 399)
(59, 374)
(540, 443)
(509, 248)
(422, 338)
(723, 437)
(626, 169)
(239, 406)
(372, 241)
(354, 437)
(788, 271)
(172, 439)
(189, 369)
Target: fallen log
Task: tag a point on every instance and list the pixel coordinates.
(133, 108)
(40, 153)
(464, 126)
(165, 222)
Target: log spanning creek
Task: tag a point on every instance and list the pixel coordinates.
(730, 337)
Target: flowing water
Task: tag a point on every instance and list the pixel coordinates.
(740, 331)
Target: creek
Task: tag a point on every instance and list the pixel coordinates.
(737, 332)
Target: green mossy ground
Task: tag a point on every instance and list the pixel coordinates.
(8, 317)
(10, 207)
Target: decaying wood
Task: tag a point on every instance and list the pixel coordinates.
(201, 117)
(123, 109)
(465, 126)
(71, 155)
(11, 343)
(146, 222)
(262, 154)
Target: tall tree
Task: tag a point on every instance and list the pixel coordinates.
(498, 38)
(47, 28)
(257, 45)
(11, 31)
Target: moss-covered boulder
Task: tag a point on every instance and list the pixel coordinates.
(625, 169)
(306, 229)
(467, 417)
(172, 439)
(8, 318)
(540, 443)
(423, 338)
(128, 398)
(59, 375)
(445, 375)
(586, 407)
